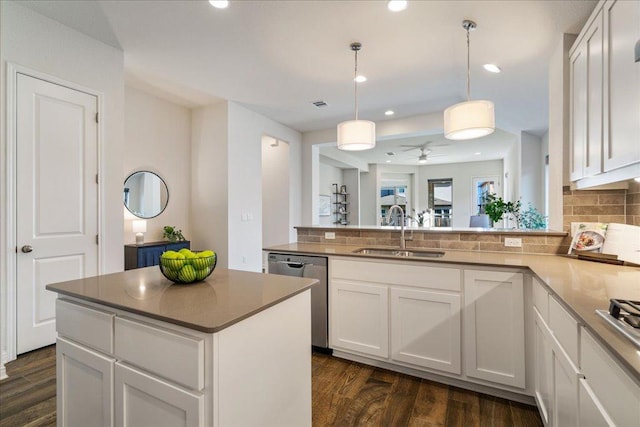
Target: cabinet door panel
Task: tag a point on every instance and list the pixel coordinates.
(149, 256)
(621, 84)
(425, 329)
(359, 318)
(84, 386)
(578, 106)
(594, 57)
(142, 400)
(494, 326)
(543, 377)
(565, 381)
(591, 412)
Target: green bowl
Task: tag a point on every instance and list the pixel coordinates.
(188, 270)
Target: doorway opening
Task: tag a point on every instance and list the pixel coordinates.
(275, 192)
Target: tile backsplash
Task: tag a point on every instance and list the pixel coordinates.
(621, 206)
(539, 243)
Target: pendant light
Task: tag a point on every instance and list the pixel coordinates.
(470, 119)
(356, 135)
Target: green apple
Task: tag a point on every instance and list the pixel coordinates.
(187, 274)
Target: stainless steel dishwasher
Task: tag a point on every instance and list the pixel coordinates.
(316, 268)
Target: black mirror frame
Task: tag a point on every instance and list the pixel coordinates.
(163, 183)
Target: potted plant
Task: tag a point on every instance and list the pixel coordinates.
(172, 234)
(496, 208)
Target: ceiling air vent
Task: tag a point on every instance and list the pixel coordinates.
(320, 104)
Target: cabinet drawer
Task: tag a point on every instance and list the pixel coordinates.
(85, 325)
(422, 276)
(618, 394)
(541, 299)
(564, 328)
(174, 356)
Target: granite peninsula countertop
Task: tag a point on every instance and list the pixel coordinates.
(581, 286)
(224, 298)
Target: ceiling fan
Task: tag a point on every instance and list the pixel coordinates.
(422, 158)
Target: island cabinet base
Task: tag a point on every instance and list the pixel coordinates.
(143, 371)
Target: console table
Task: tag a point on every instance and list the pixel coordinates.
(148, 254)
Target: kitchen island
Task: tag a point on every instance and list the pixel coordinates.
(135, 349)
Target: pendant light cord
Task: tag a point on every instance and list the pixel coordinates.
(355, 84)
(468, 70)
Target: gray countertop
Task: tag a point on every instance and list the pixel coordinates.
(224, 298)
(581, 286)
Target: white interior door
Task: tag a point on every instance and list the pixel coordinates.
(56, 200)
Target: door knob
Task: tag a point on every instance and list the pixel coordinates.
(26, 249)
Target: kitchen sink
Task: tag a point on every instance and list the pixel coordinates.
(399, 253)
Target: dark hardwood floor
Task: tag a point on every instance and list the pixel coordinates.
(351, 394)
(28, 396)
(344, 394)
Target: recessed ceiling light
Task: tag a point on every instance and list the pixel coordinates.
(477, 153)
(396, 5)
(219, 4)
(360, 79)
(388, 161)
(389, 113)
(492, 68)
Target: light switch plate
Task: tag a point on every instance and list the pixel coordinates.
(513, 242)
(329, 235)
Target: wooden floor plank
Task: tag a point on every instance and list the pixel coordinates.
(430, 405)
(40, 414)
(344, 393)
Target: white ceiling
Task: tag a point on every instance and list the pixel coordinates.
(276, 57)
(439, 150)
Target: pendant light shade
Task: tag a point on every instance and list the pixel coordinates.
(356, 135)
(470, 119)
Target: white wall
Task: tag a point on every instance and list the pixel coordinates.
(209, 177)
(246, 129)
(558, 127)
(369, 194)
(462, 175)
(329, 175)
(275, 192)
(531, 172)
(33, 41)
(158, 139)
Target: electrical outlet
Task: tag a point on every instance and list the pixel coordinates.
(329, 235)
(513, 242)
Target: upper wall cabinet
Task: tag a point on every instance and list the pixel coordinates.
(605, 96)
(586, 103)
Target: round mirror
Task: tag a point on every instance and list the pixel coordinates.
(145, 194)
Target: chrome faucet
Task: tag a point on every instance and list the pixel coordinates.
(403, 244)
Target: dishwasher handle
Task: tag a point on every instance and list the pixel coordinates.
(292, 264)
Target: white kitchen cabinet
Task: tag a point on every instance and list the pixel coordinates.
(586, 103)
(543, 377)
(565, 385)
(617, 394)
(604, 142)
(144, 400)
(359, 317)
(494, 326)
(84, 383)
(591, 413)
(621, 84)
(425, 328)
